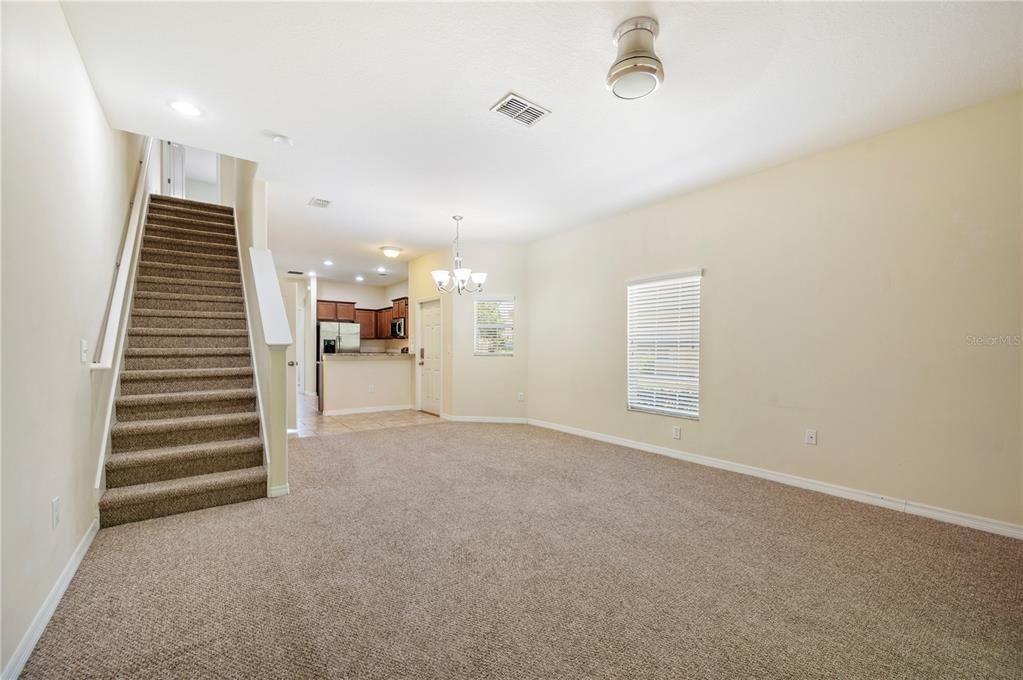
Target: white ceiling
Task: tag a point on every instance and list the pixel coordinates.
(388, 103)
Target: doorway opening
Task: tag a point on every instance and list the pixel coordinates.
(190, 173)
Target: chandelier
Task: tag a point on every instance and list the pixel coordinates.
(464, 279)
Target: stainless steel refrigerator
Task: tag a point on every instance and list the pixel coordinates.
(338, 337)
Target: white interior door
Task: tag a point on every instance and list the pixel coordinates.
(173, 169)
(430, 357)
(300, 345)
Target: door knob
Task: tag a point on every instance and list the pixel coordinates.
(292, 363)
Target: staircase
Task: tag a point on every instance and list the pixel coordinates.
(187, 432)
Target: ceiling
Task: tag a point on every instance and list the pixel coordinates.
(388, 103)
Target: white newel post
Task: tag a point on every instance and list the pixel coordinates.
(278, 417)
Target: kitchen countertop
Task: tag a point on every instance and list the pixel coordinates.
(355, 356)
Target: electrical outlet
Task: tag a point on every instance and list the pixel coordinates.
(811, 437)
(522, 396)
(55, 512)
(84, 349)
(676, 432)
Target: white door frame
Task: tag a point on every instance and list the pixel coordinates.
(419, 343)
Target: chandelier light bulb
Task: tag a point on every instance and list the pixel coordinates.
(440, 276)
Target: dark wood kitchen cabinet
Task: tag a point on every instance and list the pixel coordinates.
(399, 308)
(331, 310)
(384, 322)
(367, 320)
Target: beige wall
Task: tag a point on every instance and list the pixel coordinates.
(66, 185)
(368, 297)
(364, 384)
(840, 293)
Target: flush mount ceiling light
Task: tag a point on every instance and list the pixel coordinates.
(637, 71)
(185, 109)
(283, 140)
(390, 251)
(360, 278)
(328, 263)
(313, 274)
(381, 270)
(464, 279)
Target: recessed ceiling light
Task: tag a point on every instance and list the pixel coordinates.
(283, 140)
(360, 278)
(329, 263)
(312, 273)
(390, 251)
(381, 270)
(185, 109)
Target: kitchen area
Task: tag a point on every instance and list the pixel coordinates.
(362, 363)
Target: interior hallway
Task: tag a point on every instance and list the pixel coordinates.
(311, 423)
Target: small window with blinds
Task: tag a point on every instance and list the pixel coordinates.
(664, 346)
(494, 326)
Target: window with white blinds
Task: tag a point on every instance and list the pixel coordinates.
(664, 346)
(494, 326)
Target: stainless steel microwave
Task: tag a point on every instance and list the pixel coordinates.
(398, 328)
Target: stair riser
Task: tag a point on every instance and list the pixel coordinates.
(172, 304)
(183, 245)
(185, 322)
(188, 341)
(154, 440)
(189, 235)
(184, 410)
(190, 259)
(172, 272)
(168, 385)
(161, 471)
(191, 223)
(186, 288)
(216, 361)
(159, 210)
(173, 506)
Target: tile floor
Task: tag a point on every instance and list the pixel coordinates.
(311, 423)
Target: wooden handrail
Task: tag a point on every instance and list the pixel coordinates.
(119, 298)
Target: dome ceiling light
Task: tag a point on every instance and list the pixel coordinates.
(390, 251)
(637, 71)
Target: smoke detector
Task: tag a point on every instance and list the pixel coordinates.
(637, 71)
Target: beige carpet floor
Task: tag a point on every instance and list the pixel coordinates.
(505, 551)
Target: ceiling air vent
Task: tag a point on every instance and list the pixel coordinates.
(520, 110)
(318, 202)
(292, 271)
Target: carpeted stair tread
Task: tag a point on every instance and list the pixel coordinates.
(192, 268)
(188, 423)
(169, 243)
(160, 199)
(193, 223)
(170, 281)
(132, 459)
(186, 314)
(184, 486)
(185, 397)
(173, 201)
(148, 253)
(182, 233)
(169, 373)
(185, 351)
(163, 209)
(142, 330)
(196, 297)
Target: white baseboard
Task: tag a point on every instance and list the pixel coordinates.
(42, 617)
(366, 409)
(276, 491)
(483, 419)
(993, 526)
